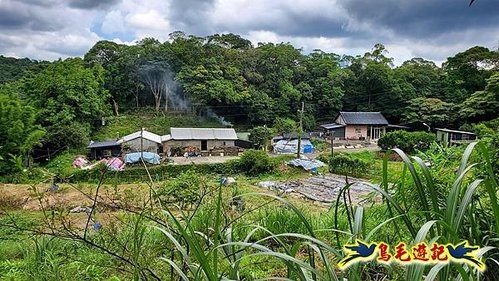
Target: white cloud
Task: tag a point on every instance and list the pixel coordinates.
(49, 30)
(114, 22)
(149, 24)
(307, 44)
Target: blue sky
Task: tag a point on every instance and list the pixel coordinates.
(52, 29)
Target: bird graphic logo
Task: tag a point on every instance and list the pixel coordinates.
(421, 252)
(359, 251)
(463, 252)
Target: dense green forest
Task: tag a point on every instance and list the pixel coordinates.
(54, 105)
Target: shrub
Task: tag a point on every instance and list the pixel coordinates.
(422, 140)
(158, 172)
(406, 141)
(184, 190)
(254, 162)
(261, 136)
(320, 144)
(346, 164)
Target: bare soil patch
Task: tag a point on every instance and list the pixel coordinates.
(324, 188)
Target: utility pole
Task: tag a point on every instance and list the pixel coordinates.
(300, 130)
(331, 135)
(141, 144)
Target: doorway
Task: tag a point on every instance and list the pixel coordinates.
(204, 145)
(377, 133)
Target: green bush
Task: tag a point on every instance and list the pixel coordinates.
(254, 162)
(184, 190)
(158, 172)
(406, 141)
(320, 144)
(347, 164)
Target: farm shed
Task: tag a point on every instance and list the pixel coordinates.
(103, 149)
(368, 126)
(243, 140)
(141, 139)
(203, 139)
(450, 137)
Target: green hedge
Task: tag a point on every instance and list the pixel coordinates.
(139, 174)
(348, 164)
(407, 141)
(263, 164)
(252, 163)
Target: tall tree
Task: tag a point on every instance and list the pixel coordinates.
(482, 105)
(19, 134)
(468, 70)
(423, 78)
(432, 111)
(325, 80)
(372, 85)
(158, 78)
(70, 100)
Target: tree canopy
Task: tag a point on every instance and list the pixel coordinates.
(250, 86)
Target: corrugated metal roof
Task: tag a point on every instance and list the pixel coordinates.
(203, 134)
(145, 134)
(363, 118)
(397, 126)
(454, 131)
(332, 126)
(96, 144)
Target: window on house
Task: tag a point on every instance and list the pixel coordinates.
(357, 130)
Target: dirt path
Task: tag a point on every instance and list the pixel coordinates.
(36, 198)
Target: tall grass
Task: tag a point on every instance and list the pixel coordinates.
(212, 241)
(444, 223)
(305, 256)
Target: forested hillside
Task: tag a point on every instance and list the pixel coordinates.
(49, 106)
(11, 69)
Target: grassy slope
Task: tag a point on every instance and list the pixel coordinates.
(156, 123)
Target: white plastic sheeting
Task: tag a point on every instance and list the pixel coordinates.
(307, 164)
(290, 146)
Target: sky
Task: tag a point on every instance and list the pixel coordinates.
(431, 29)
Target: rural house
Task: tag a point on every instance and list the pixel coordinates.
(203, 139)
(448, 137)
(103, 149)
(368, 126)
(141, 139)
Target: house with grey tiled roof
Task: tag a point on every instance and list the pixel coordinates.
(369, 126)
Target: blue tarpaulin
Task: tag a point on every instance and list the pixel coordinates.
(308, 148)
(306, 164)
(149, 157)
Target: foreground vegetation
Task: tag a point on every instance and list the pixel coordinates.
(184, 222)
(194, 227)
